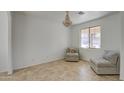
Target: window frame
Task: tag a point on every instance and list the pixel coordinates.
(89, 36)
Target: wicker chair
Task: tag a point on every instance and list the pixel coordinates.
(72, 54)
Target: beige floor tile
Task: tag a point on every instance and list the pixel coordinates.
(58, 71)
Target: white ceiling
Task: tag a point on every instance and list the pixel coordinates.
(75, 17)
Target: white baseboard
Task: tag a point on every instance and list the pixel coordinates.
(84, 59)
(38, 63)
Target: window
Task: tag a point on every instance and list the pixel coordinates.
(91, 37)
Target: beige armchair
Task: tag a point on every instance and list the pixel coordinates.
(72, 54)
(109, 63)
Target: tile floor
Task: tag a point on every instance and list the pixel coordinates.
(58, 71)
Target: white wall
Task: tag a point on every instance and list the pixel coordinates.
(9, 64)
(36, 40)
(122, 48)
(110, 39)
(4, 41)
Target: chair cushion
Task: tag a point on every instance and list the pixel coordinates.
(72, 50)
(111, 56)
(101, 62)
(72, 54)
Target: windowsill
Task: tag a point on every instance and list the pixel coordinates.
(90, 48)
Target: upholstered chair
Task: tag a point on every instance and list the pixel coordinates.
(72, 54)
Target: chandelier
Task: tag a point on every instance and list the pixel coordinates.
(67, 22)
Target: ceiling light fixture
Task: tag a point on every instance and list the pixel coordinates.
(80, 12)
(67, 22)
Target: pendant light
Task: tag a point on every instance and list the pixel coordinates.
(67, 22)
